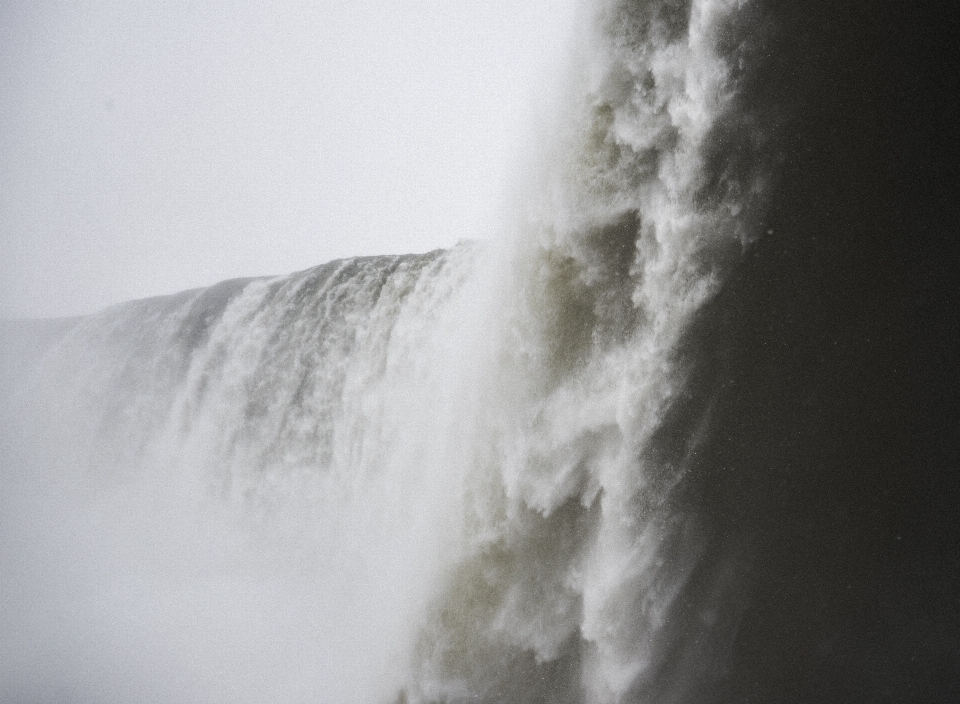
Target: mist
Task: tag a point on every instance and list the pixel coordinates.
(684, 429)
(148, 147)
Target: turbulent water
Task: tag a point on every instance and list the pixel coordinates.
(648, 448)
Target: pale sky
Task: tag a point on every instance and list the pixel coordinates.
(149, 146)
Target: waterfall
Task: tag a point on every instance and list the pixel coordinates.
(531, 469)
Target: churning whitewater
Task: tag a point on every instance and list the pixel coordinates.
(448, 477)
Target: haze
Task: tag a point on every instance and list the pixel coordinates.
(149, 147)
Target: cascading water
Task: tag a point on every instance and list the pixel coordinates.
(267, 464)
(435, 475)
(576, 550)
(475, 475)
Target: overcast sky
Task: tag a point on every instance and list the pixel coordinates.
(150, 146)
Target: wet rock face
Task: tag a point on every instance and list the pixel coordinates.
(828, 453)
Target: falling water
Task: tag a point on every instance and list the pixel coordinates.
(437, 475)
(472, 475)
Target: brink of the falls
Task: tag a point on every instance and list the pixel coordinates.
(686, 434)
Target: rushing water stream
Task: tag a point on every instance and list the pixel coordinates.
(608, 458)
